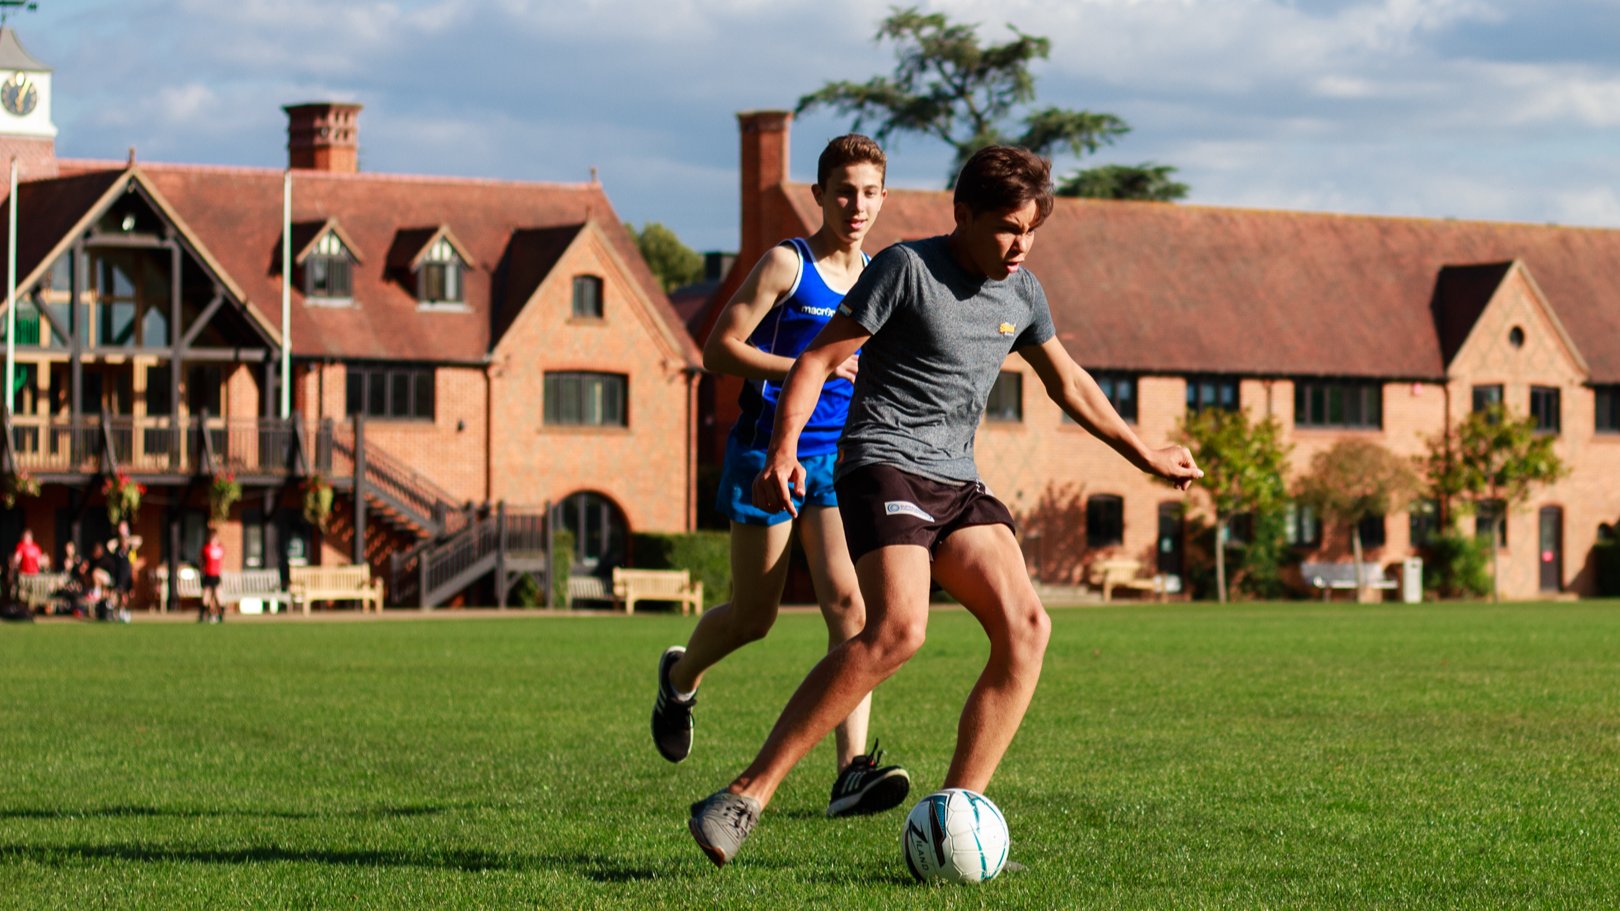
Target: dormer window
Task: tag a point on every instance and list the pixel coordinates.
(438, 277)
(432, 264)
(328, 266)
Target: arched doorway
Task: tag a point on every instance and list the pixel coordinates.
(600, 532)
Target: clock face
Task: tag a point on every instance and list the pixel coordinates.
(19, 94)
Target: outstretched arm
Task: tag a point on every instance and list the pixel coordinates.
(783, 475)
(1073, 389)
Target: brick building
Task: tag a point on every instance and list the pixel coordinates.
(454, 344)
(1338, 325)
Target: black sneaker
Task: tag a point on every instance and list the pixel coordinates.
(672, 716)
(720, 822)
(866, 787)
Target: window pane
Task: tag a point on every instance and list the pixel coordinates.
(422, 406)
(432, 282)
(355, 391)
(376, 393)
(1105, 520)
(399, 394)
(587, 296)
(157, 390)
(1006, 398)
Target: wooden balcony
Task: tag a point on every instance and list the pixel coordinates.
(156, 450)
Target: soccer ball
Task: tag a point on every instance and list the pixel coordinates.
(955, 835)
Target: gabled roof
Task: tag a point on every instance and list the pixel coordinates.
(306, 234)
(52, 212)
(412, 244)
(236, 214)
(13, 56)
(1460, 296)
(1179, 288)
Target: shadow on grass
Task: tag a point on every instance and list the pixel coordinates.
(588, 866)
(136, 812)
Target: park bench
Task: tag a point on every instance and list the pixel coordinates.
(1330, 577)
(587, 588)
(335, 583)
(1124, 572)
(38, 590)
(261, 589)
(632, 585)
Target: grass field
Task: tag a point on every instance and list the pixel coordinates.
(1257, 756)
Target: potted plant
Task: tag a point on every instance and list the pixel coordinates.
(223, 492)
(123, 495)
(19, 485)
(317, 501)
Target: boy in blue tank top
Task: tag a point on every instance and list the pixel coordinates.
(787, 299)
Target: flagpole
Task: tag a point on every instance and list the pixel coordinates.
(286, 295)
(11, 293)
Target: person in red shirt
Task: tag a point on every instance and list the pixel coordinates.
(213, 566)
(28, 559)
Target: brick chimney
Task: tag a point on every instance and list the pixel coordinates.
(764, 165)
(323, 136)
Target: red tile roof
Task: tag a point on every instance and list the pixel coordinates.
(1179, 289)
(235, 213)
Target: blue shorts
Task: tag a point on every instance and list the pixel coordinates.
(735, 498)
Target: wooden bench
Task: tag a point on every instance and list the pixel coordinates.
(1330, 577)
(587, 588)
(335, 583)
(235, 586)
(38, 590)
(1124, 572)
(632, 585)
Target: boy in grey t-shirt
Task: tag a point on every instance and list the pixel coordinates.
(934, 320)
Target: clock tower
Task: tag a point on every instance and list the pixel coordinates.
(26, 131)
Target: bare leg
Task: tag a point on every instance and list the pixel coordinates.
(894, 584)
(982, 567)
(839, 593)
(759, 562)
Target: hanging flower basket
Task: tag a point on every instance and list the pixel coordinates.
(123, 495)
(223, 492)
(317, 501)
(16, 486)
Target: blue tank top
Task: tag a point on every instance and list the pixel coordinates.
(787, 330)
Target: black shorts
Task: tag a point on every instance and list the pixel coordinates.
(210, 582)
(881, 505)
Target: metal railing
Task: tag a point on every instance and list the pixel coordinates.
(424, 574)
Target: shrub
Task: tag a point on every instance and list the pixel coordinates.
(705, 554)
(562, 563)
(1457, 565)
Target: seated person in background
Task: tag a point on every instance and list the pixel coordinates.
(100, 593)
(67, 597)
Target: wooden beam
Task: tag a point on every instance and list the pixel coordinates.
(202, 319)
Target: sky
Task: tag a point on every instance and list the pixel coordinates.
(1503, 110)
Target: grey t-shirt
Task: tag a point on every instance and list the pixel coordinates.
(939, 338)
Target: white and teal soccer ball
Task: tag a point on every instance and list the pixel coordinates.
(955, 835)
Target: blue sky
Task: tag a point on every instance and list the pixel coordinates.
(1487, 109)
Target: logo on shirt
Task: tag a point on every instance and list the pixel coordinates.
(844, 309)
(817, 311)
(906, 508)
(1007, 328)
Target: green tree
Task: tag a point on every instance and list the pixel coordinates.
(1490, 456)
(948, 85)
(674, 263)
(1244, 465)
(1353, 480)
(1112, 181)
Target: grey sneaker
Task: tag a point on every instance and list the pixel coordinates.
(720, 822)
(672, 716)
(866, 787)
